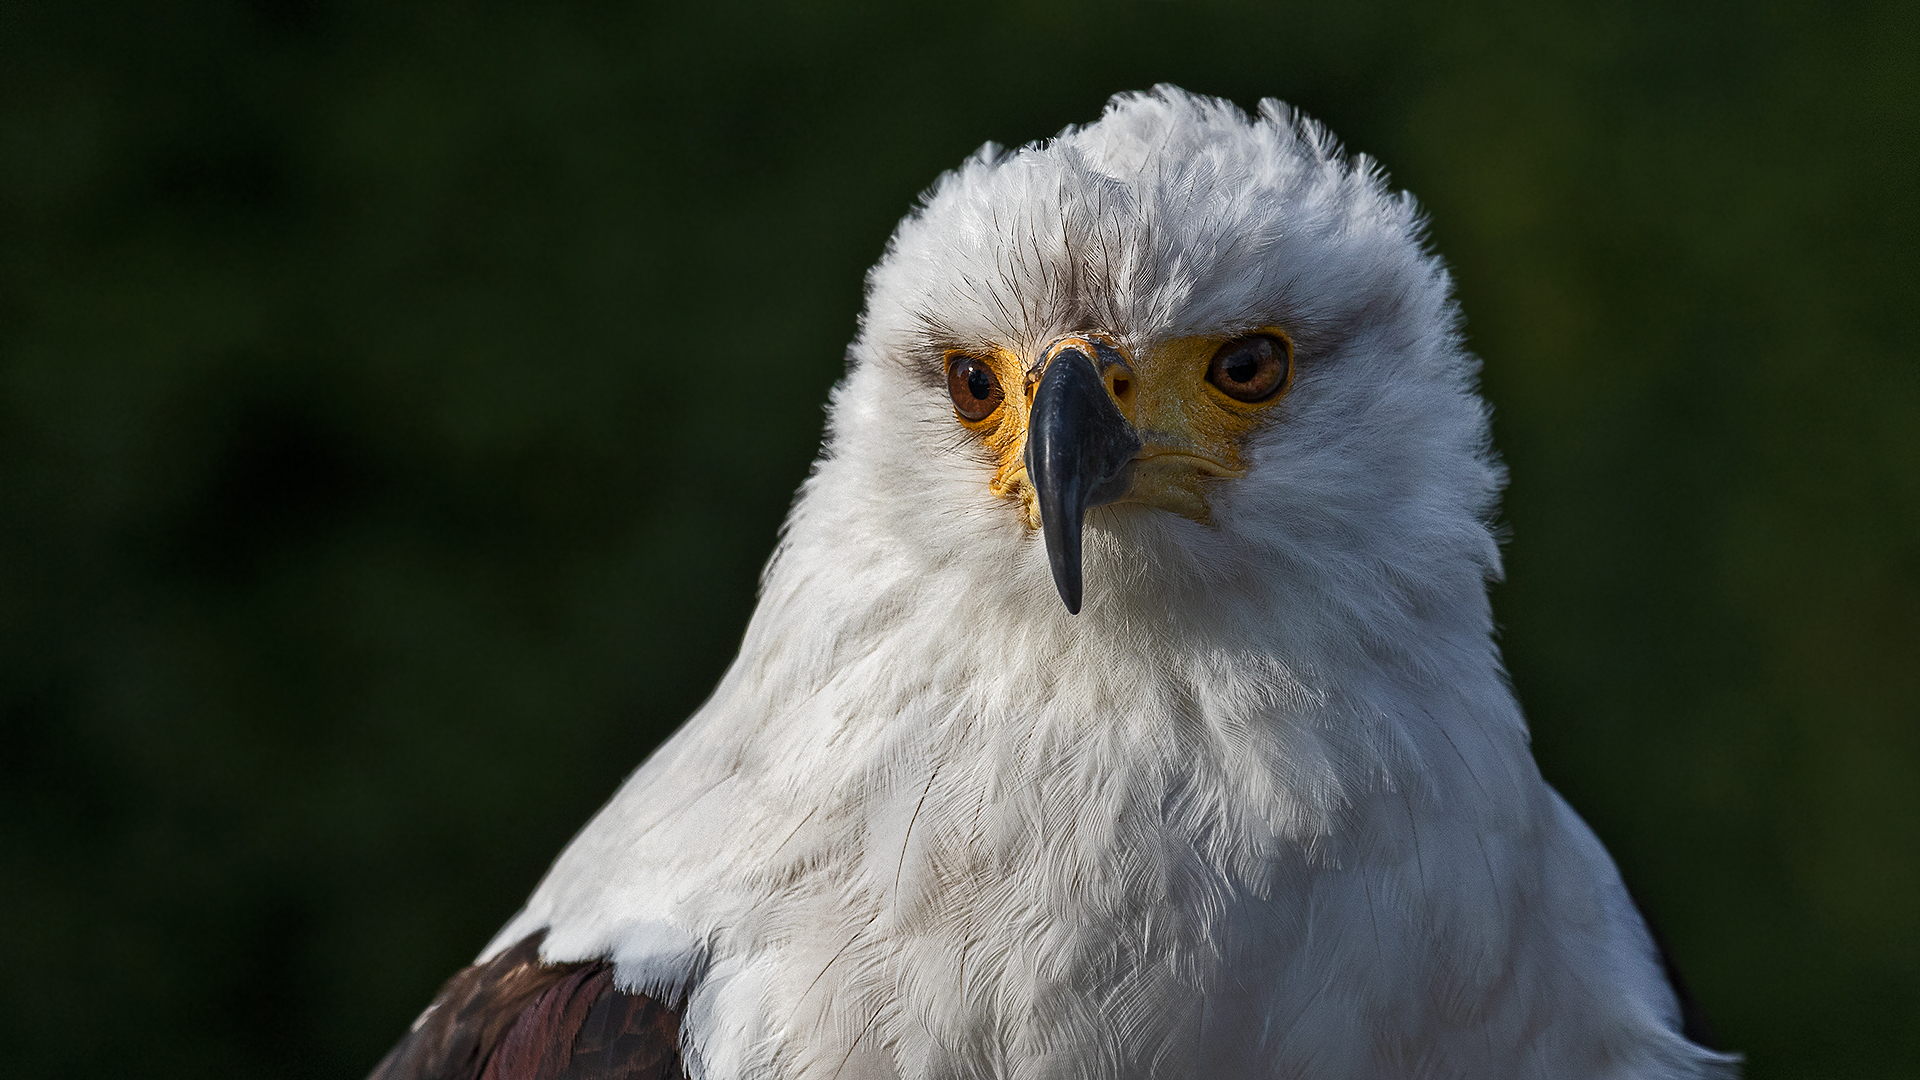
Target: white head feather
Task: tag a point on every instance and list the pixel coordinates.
(1264, 808)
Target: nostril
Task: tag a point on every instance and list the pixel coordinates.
(1122, 387)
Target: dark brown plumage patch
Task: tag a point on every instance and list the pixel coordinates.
(515, 1018)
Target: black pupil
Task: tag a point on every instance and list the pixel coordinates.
(979, 382)
(1243, 367)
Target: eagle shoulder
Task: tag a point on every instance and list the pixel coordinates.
(514, 1017)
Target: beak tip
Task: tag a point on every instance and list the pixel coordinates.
(1066, 574)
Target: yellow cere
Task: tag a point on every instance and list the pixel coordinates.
(1194, 435)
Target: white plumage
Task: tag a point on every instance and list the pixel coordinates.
(1264, 808)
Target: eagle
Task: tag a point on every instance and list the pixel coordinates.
(1122, 697)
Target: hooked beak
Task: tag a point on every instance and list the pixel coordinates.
(1078, 448)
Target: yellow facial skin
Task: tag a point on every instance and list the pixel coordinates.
(1194, 435)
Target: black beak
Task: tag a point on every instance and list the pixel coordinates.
(1078, 449)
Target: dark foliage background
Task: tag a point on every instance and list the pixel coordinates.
(397, 401)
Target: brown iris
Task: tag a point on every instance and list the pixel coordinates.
(1252, 368)
(975, 388)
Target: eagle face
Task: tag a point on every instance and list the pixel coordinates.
(1092, 425)
(1213, 354)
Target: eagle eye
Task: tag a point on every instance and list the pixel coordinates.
(1252, 368)
(975, 388)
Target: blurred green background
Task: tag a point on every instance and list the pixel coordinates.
(398, 400)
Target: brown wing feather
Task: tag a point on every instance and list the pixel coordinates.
(629, 1035)
(515, 1018)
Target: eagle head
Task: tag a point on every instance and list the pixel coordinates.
(1177, 359)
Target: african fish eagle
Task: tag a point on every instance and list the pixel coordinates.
(1121, 700)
